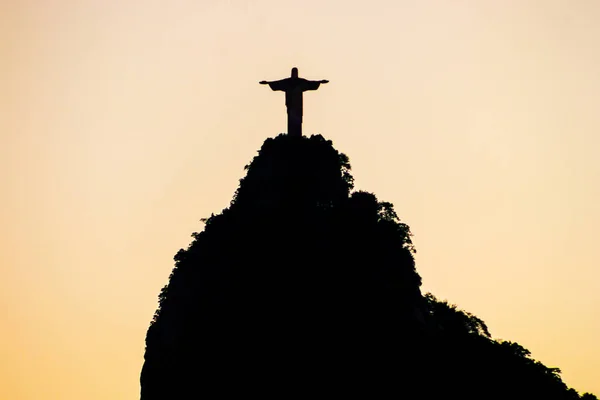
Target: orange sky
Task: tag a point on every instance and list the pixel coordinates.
(122, 123)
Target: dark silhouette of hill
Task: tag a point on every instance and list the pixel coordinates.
(304, 288)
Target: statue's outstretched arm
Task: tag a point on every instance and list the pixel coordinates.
(313, 85)
(275, 85)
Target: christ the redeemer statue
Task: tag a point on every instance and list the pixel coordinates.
(293, 88)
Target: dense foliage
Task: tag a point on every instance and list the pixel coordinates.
(302, 287)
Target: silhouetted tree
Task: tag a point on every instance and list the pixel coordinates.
(453, 321)
(302, 287)
(588, 396)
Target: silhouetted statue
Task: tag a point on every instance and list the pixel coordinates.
(293, 88)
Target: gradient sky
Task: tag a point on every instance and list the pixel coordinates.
(124, 122)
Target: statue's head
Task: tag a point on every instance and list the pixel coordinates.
(294, 72)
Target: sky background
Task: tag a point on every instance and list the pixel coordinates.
(122, 123)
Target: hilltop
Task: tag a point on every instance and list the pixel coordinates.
(305, 286)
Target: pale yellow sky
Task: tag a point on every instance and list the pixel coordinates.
(122, 123)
